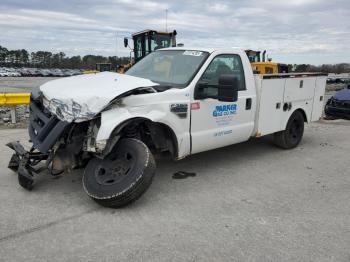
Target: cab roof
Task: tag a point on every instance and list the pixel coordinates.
(153, 31)
(203, 49)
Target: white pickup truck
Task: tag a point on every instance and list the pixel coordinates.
(179, 101)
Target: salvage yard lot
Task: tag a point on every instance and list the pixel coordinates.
(22, 84)
(248, 202)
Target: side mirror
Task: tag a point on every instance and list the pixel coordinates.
(199, 89)
(228, 88)
(126, 42)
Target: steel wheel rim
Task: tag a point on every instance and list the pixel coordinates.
(113, 171)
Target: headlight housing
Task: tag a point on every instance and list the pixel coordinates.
(68, 111)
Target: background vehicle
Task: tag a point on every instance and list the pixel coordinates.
(146, 42)
(8, 72)
(174, 101)
(338, 106)
(102, 67)
(262, 65)
(3, 72)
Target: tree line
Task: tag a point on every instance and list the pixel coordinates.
(44, 59)
(325, 68)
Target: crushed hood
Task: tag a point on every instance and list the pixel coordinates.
(80, 98)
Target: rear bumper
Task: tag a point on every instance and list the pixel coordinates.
(337, 112)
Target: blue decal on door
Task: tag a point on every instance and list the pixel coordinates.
(225, 110)
(223, 114)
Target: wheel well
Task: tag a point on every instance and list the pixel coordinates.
(157, 136)
(303, 114)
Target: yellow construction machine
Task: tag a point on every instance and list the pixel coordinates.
(263, 65)
(146, 42)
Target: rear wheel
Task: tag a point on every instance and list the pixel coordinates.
(122, 177)
(292, 135)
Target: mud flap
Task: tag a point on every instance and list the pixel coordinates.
(22, 162)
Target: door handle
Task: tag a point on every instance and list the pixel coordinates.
(248, 104)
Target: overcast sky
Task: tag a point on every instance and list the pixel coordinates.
(293, 31)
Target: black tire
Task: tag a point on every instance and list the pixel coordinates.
(329, 117)
(292, 135)
(122, 177)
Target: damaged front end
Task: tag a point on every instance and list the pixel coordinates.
(58, 143)
(65, 116)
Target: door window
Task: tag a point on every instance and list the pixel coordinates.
(160, 41)
(221, 65)
(138, 47)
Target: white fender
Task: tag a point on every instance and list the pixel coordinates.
(154, 107)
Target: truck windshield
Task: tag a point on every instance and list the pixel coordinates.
(169, 67)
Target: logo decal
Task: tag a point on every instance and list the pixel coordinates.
(179, 109)
(225, 110)
(223, 114)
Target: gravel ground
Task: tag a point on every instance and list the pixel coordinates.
(248, 202)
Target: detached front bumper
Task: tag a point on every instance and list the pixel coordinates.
(45, 130)
(23, 162)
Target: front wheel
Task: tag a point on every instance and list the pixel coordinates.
(292, 135)
(122, 177)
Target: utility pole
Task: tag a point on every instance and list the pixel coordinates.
(116, 44)
(166, 20)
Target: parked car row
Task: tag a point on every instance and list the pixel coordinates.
(338, 81)
(6, 71)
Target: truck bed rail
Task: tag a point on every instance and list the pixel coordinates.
(292, 75)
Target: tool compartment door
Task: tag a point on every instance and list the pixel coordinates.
(299, 89)
(299, 93)
(271, 103)
(318, 103)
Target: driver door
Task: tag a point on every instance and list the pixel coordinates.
(215, 123)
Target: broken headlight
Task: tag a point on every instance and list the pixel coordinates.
(68, 110)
